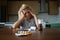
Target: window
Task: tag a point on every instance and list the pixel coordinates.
(43, 6)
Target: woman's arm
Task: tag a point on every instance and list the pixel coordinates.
(19, 21)
(17, 24)
(36, 20)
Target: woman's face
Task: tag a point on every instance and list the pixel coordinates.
(27, 13)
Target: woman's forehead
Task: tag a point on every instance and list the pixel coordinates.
(26, 10)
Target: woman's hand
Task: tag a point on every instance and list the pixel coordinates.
(21, 15)
(32, 14)
(16, 30)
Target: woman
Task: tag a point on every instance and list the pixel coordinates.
(26, 18)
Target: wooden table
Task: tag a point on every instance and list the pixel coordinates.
(46, 34)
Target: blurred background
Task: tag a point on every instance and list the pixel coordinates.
(46, 10)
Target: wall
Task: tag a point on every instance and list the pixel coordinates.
(13, 7)
(50, 18)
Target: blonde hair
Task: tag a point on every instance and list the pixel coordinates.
(23, 7)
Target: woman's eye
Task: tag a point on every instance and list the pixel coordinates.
(28, 12)
(25, 13)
